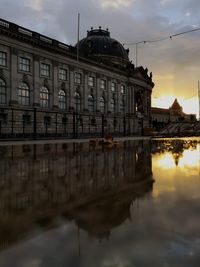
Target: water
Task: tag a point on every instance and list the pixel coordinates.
(133, 204)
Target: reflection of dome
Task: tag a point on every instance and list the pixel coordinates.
(99, 217)
(100, 46)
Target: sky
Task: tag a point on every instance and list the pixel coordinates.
(175, 63)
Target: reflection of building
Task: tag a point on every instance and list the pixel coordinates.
(46, 91)
(175, 146)
(162, 116)
(42, 182)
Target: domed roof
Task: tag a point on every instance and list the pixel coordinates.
(99, 45)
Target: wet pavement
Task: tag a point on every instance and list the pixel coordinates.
(134, 203)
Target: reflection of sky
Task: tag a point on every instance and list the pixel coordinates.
(163, 230)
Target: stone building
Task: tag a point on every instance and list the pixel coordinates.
(47, 90)
(163, 116)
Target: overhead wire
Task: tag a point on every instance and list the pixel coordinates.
(164, 38)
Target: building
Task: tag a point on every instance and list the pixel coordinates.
(162, 116)
(47, 90)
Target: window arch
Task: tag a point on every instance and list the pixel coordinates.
(77, 97)
(90, 103)
(112, 105)
(2, 91)
(102, 104)
(62, 99)
(44, 97)
(24, 94)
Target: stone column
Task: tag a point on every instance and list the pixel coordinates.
(55, 85)
(85, 91)
(71, 101)
(13, 77)
(98, 92)
(36, 81)
(108, 94)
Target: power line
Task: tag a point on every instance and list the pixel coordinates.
(158, 40)
(164, 38)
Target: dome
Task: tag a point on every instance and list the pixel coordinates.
(99, 46)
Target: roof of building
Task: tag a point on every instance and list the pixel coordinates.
(159, 110)
(98, 43)
(176, 105)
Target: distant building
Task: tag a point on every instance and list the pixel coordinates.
(46, 90)
(160, 117)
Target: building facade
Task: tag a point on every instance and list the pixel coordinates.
(46, 89)
(163, 116)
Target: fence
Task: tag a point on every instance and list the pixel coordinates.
(36, 124)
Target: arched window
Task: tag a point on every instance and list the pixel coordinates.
(90, 103)
(102, 104)
(2, 92)
(112, 105)
(44, 97)
(24, 94)
(62, 99)
(77, 101)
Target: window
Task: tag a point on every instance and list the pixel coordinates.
(64, 121)
(123, 89)
(112, 105)
(77, 77)
(62, 74)
(45, 69)
(26, 119)
(103, 84)
(91, 103)
(23, 94)
(64, 124)
(3, 58)
(47, 122)
(2, 92)
(77, 101)
(24, 64)
(3, 118)
(91, 81)
(122, 106)
(113, 87)
(62, 99)
(44, 97)
(102, 105)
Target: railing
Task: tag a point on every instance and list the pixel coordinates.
(14, 27)
(24, 31)
(35, 124)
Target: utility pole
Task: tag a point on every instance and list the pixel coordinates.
(77, 47)
(136, 50)
(199, 98)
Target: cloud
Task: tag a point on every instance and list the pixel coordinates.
(128, 21)
(116, 3)
(36, 4)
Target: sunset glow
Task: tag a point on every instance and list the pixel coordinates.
(190, 105)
